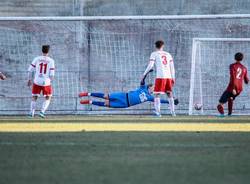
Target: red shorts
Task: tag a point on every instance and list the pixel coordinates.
(46, 90)
(163, 85)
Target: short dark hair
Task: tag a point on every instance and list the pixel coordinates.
(238, 56)
(45, 49)
(159, 44)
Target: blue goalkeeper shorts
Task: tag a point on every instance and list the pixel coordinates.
(118, 100)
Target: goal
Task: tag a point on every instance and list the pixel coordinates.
(211, 58)
(110, 54)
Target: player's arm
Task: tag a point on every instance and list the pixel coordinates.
(232, 79)
(2, 76)
(246, 78)
(31, 69)
(150, 66)
(172, 70)
(145, 76)
(52, 71)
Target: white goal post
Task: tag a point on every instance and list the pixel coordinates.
(211, 58)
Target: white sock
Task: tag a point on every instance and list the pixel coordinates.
(45, 105)
(171, 104)
(32, 107)
(157, 104)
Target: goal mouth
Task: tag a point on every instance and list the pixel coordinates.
(211, 58)
(105, 54)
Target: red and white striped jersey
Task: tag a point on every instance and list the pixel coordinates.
(44, 68)
(164, 64)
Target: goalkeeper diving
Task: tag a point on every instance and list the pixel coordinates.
(124, 99)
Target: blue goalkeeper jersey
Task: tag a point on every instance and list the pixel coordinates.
(141, 95)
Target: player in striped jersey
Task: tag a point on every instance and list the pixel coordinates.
(44, 69)
(165, 76)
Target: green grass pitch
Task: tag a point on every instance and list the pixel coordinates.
(125, 157)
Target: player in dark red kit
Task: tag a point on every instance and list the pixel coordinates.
(238, 74)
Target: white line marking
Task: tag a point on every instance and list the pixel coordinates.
(143, 145)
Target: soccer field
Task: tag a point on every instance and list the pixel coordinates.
(118, 155)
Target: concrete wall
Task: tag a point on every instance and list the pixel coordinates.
(39, 8)
(121, 7)
(165, 7)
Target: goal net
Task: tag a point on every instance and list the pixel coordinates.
(106, 54)
(210, 74)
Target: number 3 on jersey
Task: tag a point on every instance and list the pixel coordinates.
(164, 59)
(43, 68)
(238, 74)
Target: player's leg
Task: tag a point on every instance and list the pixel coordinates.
(118, 100)
(230, 103)
(158, 89)
(33, 106)
(157, 104)
(168, 89)
(36, 90)
(97, 103)
(98, 95)
(171, 102)
(230, 106)
(223, 99)
(47, 92)
(102, 104)
(113, 100)
(45, 106)
(220, 108)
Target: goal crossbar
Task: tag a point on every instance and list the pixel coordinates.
(222, 39)
(145, 17)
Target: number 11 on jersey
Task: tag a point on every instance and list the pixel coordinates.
(43, 68)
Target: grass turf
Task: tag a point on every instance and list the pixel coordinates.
(125, 157)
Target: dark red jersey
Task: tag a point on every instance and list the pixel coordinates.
(238, 74)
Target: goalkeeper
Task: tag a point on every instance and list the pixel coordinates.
(124, 99)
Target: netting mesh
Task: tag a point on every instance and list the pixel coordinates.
(107, 55)
(212, 61)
